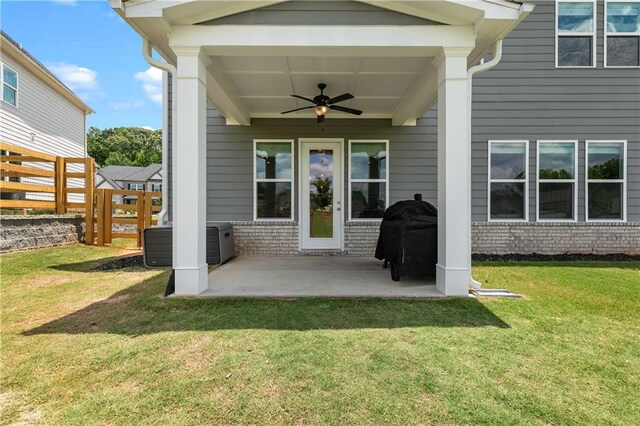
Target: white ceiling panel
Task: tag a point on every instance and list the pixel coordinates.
(269, 105)
(253, 63)
(323, 65)
(393, 64)
(382, 85)
(261, 84)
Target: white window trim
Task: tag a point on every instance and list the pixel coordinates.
(526, 182)
(574, 180)
(623, 181)
(2, 83)
(593, 34)
(386, 181)
(256, 180)
(606, 34)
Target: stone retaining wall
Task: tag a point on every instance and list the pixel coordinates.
(29, 232)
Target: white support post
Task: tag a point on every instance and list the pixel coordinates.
(189, 173)
(454, 174)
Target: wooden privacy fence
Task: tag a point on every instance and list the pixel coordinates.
(105, 219)
(51, 178)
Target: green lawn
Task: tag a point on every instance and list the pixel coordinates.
(103, 347)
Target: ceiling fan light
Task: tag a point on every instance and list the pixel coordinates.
(321, 110)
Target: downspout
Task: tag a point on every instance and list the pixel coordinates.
(164, 66)
(497, 56)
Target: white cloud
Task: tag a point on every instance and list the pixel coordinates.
(76, 77)
(148, 128)
(151, 83)
(120, 106)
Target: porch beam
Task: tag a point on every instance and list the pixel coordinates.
(420, 96)
(190, 175)
(454, 174)
(285, 40)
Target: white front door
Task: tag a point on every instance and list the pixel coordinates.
(321, 182)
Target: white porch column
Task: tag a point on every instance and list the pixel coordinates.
(454, 174)
(189, 173)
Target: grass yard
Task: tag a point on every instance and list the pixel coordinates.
(103, 347)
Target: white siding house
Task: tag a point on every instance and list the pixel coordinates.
(37, 111)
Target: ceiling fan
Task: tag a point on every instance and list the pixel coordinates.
(323, 103)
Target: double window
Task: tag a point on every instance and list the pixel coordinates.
(9, 79)
(575, 33)
(622, 34)
(136, 186)
(508, 180)
(557, 192)
(273, 179)
(606, 180)
(368, 179)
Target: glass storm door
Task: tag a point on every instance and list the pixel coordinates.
(321, 194)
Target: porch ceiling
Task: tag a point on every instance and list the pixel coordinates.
(264, 84)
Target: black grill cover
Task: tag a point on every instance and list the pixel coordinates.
(409, 239)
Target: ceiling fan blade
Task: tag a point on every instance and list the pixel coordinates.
(297, 109)
(343, 97)
(320, 119)
(304, 99)
(345, 109)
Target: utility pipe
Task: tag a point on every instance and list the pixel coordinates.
(164, 66)
(497, 56)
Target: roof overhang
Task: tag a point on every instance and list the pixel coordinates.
(468, 24)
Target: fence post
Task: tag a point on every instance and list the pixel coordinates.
(108, 216)
(140, 216)
(100, 193)
(59, 182)
(148, 209)
(89, 199)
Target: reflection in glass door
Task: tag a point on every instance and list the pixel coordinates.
(321, 193)
(321, 185)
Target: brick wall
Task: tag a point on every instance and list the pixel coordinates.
(281, 238)
(556, 238)
(29, 232)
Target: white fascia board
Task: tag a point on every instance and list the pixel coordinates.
(146, 9)
(303, 40)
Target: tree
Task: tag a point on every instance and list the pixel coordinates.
(125, 146)
(323, 194)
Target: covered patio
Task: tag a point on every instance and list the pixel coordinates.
(401, 61)
(312, 276)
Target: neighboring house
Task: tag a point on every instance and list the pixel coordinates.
(551, 163)
(37, 111)
(130, 178)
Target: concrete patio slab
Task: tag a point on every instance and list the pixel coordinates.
(312, 276)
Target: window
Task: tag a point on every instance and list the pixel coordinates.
(273, 179)
(368, 179)
(136, 186)
(156, 187)
(508, 180)
(9, 86)
(575, 33)
(622, 34)
(557, 190)
(606, 180)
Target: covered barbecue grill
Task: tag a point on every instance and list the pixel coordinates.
(408, 239)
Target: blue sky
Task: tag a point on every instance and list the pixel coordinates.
(91, 49)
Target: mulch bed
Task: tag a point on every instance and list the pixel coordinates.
(566, 257)
(121, 262)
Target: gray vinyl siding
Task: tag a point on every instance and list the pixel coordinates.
(412, 158)
(320, 13)
(526, 97)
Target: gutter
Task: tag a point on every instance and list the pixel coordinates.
(497, 56)
(166, 67)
